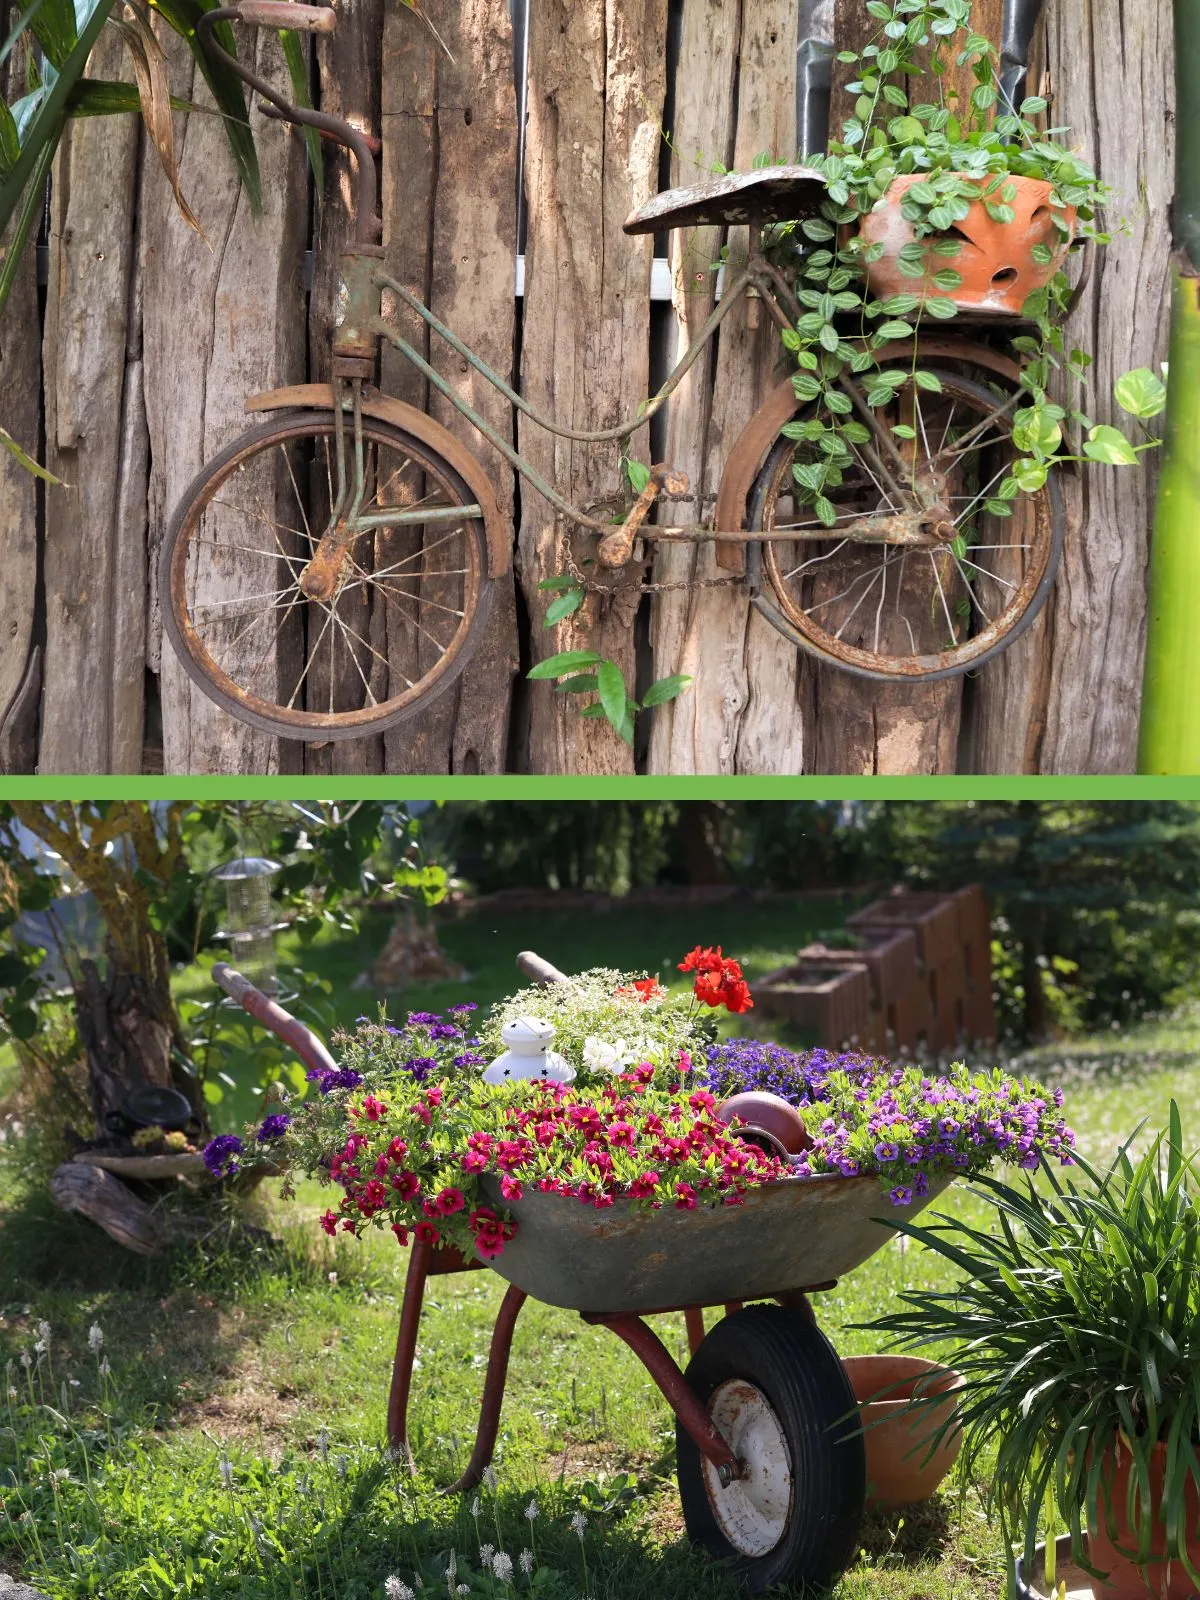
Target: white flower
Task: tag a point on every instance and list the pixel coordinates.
(486, 1552)
(74, 1382)
(578, 1524)
(39, 1348)
(601, 1056)
(323, 1445)
(463, 1588)
(489, 1478)
(526, 1562)
(59, 1475)
(95, 1338)
(502, 1566)
(43, 1329)
(475, 1506)
(452, 1569)
(333, 1277)
(26, 1360)
(227, 1472)
(395, 1590)
(531, 1510)
(105, 1369)
(12, 1391)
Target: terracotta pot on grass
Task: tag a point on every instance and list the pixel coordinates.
(1126, 1581)
(996, 261)
(897, 1443)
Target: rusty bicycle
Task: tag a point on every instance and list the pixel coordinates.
(328, 573)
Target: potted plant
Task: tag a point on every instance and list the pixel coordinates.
(937, 208)
(1076, 1328)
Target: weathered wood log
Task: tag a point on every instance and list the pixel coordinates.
(223, 317)
(20, 414)
(450, 229)
(1109, 65)
(95, 543)
(597, 86)
(103, 1199)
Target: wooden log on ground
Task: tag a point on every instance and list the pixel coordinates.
(102, 1198)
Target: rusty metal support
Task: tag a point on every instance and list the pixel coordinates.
(493, 1391)
(302, 1040)
(406, 1349)
(680, 1396)
(693, 1318)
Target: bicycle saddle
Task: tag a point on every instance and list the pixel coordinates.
(770, 194)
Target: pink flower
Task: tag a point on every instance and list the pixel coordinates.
(510, 1188)
(347, 1224)
(397, 1150)
(382, 1166)
(473, 1161)
(685, 1197)
(701, 1100)
(621, 1135)
(373, 1109)
(644, 1185)
(449, 1201)
(406, 1184)
(329, 1222)
(489, 1244)
(427, 1233)
(400, 1232)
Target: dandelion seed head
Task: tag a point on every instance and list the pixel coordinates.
(486, 1552)
(531, 1510)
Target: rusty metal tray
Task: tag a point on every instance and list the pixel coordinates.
(800, 1233)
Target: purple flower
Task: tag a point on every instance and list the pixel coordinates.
(444, 1030)
(887, 1152)
(422, 1019)
(273, 1127)
(328, 1080)
(421, 1067)
(470, 1058)
(463, 1005)
(220, 1154)
(901, 1197)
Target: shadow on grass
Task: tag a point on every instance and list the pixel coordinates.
(907, 1536)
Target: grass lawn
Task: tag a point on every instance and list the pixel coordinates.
(233, 1446)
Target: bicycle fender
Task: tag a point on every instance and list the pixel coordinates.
(756, 439)
(319, 397)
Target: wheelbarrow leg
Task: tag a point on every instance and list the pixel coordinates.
(657, 1360)
(493, 1391)
(693, 1318)
(406, 1349)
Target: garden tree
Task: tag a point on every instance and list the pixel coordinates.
(147, 867)
(1170, 728)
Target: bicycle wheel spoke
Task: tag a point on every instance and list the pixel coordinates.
(982, 495)
(846, 621)
(296, 490)
(250, 550)
(312, 656)
(937, 578)
(994, 576)
(258, 516)
(357, 666)
(812, 561)
(949, 424)
(970, 592)
(274, 640)
(246, 599)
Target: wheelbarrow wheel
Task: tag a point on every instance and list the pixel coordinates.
(774, 1387)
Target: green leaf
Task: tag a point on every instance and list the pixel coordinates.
(929, 381)
(940, 308)
(295, 55)
(638, 474)
(8, 443)
(666, 689)
(1109, 447)
(562, 580)
(10, 144)
(611, 685)
(226, 87)
(1140, 393)
(580, 683)
(564, 606)
(54, 28)
(566, 661)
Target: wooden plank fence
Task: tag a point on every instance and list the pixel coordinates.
(150, 335)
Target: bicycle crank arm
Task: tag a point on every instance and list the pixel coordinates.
(616, 547)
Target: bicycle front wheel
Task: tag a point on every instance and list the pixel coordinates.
(408, 609)
(899, 613)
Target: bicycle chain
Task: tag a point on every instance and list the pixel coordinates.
(590, 586)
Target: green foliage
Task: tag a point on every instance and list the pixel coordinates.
(959, 156)
(1077, 1320)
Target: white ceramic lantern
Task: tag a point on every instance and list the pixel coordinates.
(528, 1054)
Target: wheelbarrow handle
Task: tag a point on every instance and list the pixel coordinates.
(271, 1014)
(536, 967)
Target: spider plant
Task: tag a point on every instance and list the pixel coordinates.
(1076, 1324)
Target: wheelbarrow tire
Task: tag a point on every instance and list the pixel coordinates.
(774, 1386)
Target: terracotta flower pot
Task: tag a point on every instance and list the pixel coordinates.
(896, 1443)
(767, 1120)
(1158, 1580)
(996, 261)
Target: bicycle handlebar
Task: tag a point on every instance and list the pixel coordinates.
(368, 227)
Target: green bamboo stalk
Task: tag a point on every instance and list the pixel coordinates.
(1170, 724)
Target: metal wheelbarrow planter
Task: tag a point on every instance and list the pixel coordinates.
(770, 1456)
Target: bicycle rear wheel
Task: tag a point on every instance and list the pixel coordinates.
(899, 613)
(410, 604)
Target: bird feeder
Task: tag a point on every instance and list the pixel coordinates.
(250, 918)
(528, 1054)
